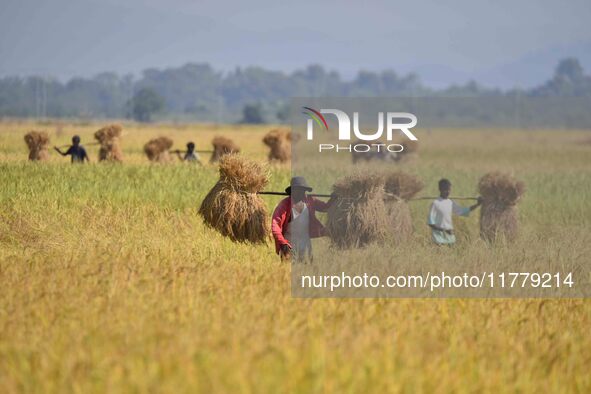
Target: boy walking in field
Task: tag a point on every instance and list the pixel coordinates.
(440, 215)
(76, 151)
(190, 155)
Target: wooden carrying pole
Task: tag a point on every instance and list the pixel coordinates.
(329, 195)
(451, 198)
(285, 194)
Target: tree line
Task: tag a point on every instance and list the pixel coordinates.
(197, 92)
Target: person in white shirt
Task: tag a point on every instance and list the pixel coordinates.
(440, 215)
(190, 155)
(298, 230)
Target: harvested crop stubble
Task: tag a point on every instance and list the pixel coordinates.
(37, 142)
(279, 140)
(498, 216)
(109, 138)
(221, 147)
(232, 206)
(400, 187)
(358, 216)
(157, 149)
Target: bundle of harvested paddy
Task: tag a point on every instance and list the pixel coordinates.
(370, 155)
(358, 215)
(109, 138)
(108, 133)
(222, 146)
(279, 140)
(37, 142)
(409, 152)
(400, 187)
(498, 216)
(157, 149)
(374, 153)
(232, 206)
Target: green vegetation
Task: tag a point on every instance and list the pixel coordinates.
(197, 92)
(111, 282)
(145, 103)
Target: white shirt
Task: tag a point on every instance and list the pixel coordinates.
(298, 232)
(441, 212)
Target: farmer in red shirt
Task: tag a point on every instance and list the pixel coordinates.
(295, 223)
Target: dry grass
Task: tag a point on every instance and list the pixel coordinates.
(279, 141)
(232, 207)
(372, 208)
(401, 186)
(109, 138)
(111, 282)
(157, 149)
(37, 142)
(358, 215)
(222, 146)
(498, 215)
(410, 151)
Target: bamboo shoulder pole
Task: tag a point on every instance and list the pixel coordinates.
(451, 198)
(285, 194)
(387, 195)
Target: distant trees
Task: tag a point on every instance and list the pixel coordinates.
(252, 114)
(199, 92)
(104, 95)
(569, 80)
(283, 113)
(192, 88)
(145, 103)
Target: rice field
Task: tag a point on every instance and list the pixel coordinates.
(111, 282)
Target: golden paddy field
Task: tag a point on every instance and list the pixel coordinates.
(110, 282)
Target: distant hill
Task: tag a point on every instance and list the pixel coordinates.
(525, 72)
(528, 71)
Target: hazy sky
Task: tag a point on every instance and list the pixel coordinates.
(498, 42)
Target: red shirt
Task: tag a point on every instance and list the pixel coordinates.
(282, 216)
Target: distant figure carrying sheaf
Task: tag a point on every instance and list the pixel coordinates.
(76, 151)
(190, 155)
(440, 215)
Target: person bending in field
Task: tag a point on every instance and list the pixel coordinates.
(190, 155)
(76, 151)
(294, 222)
(440, 215)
